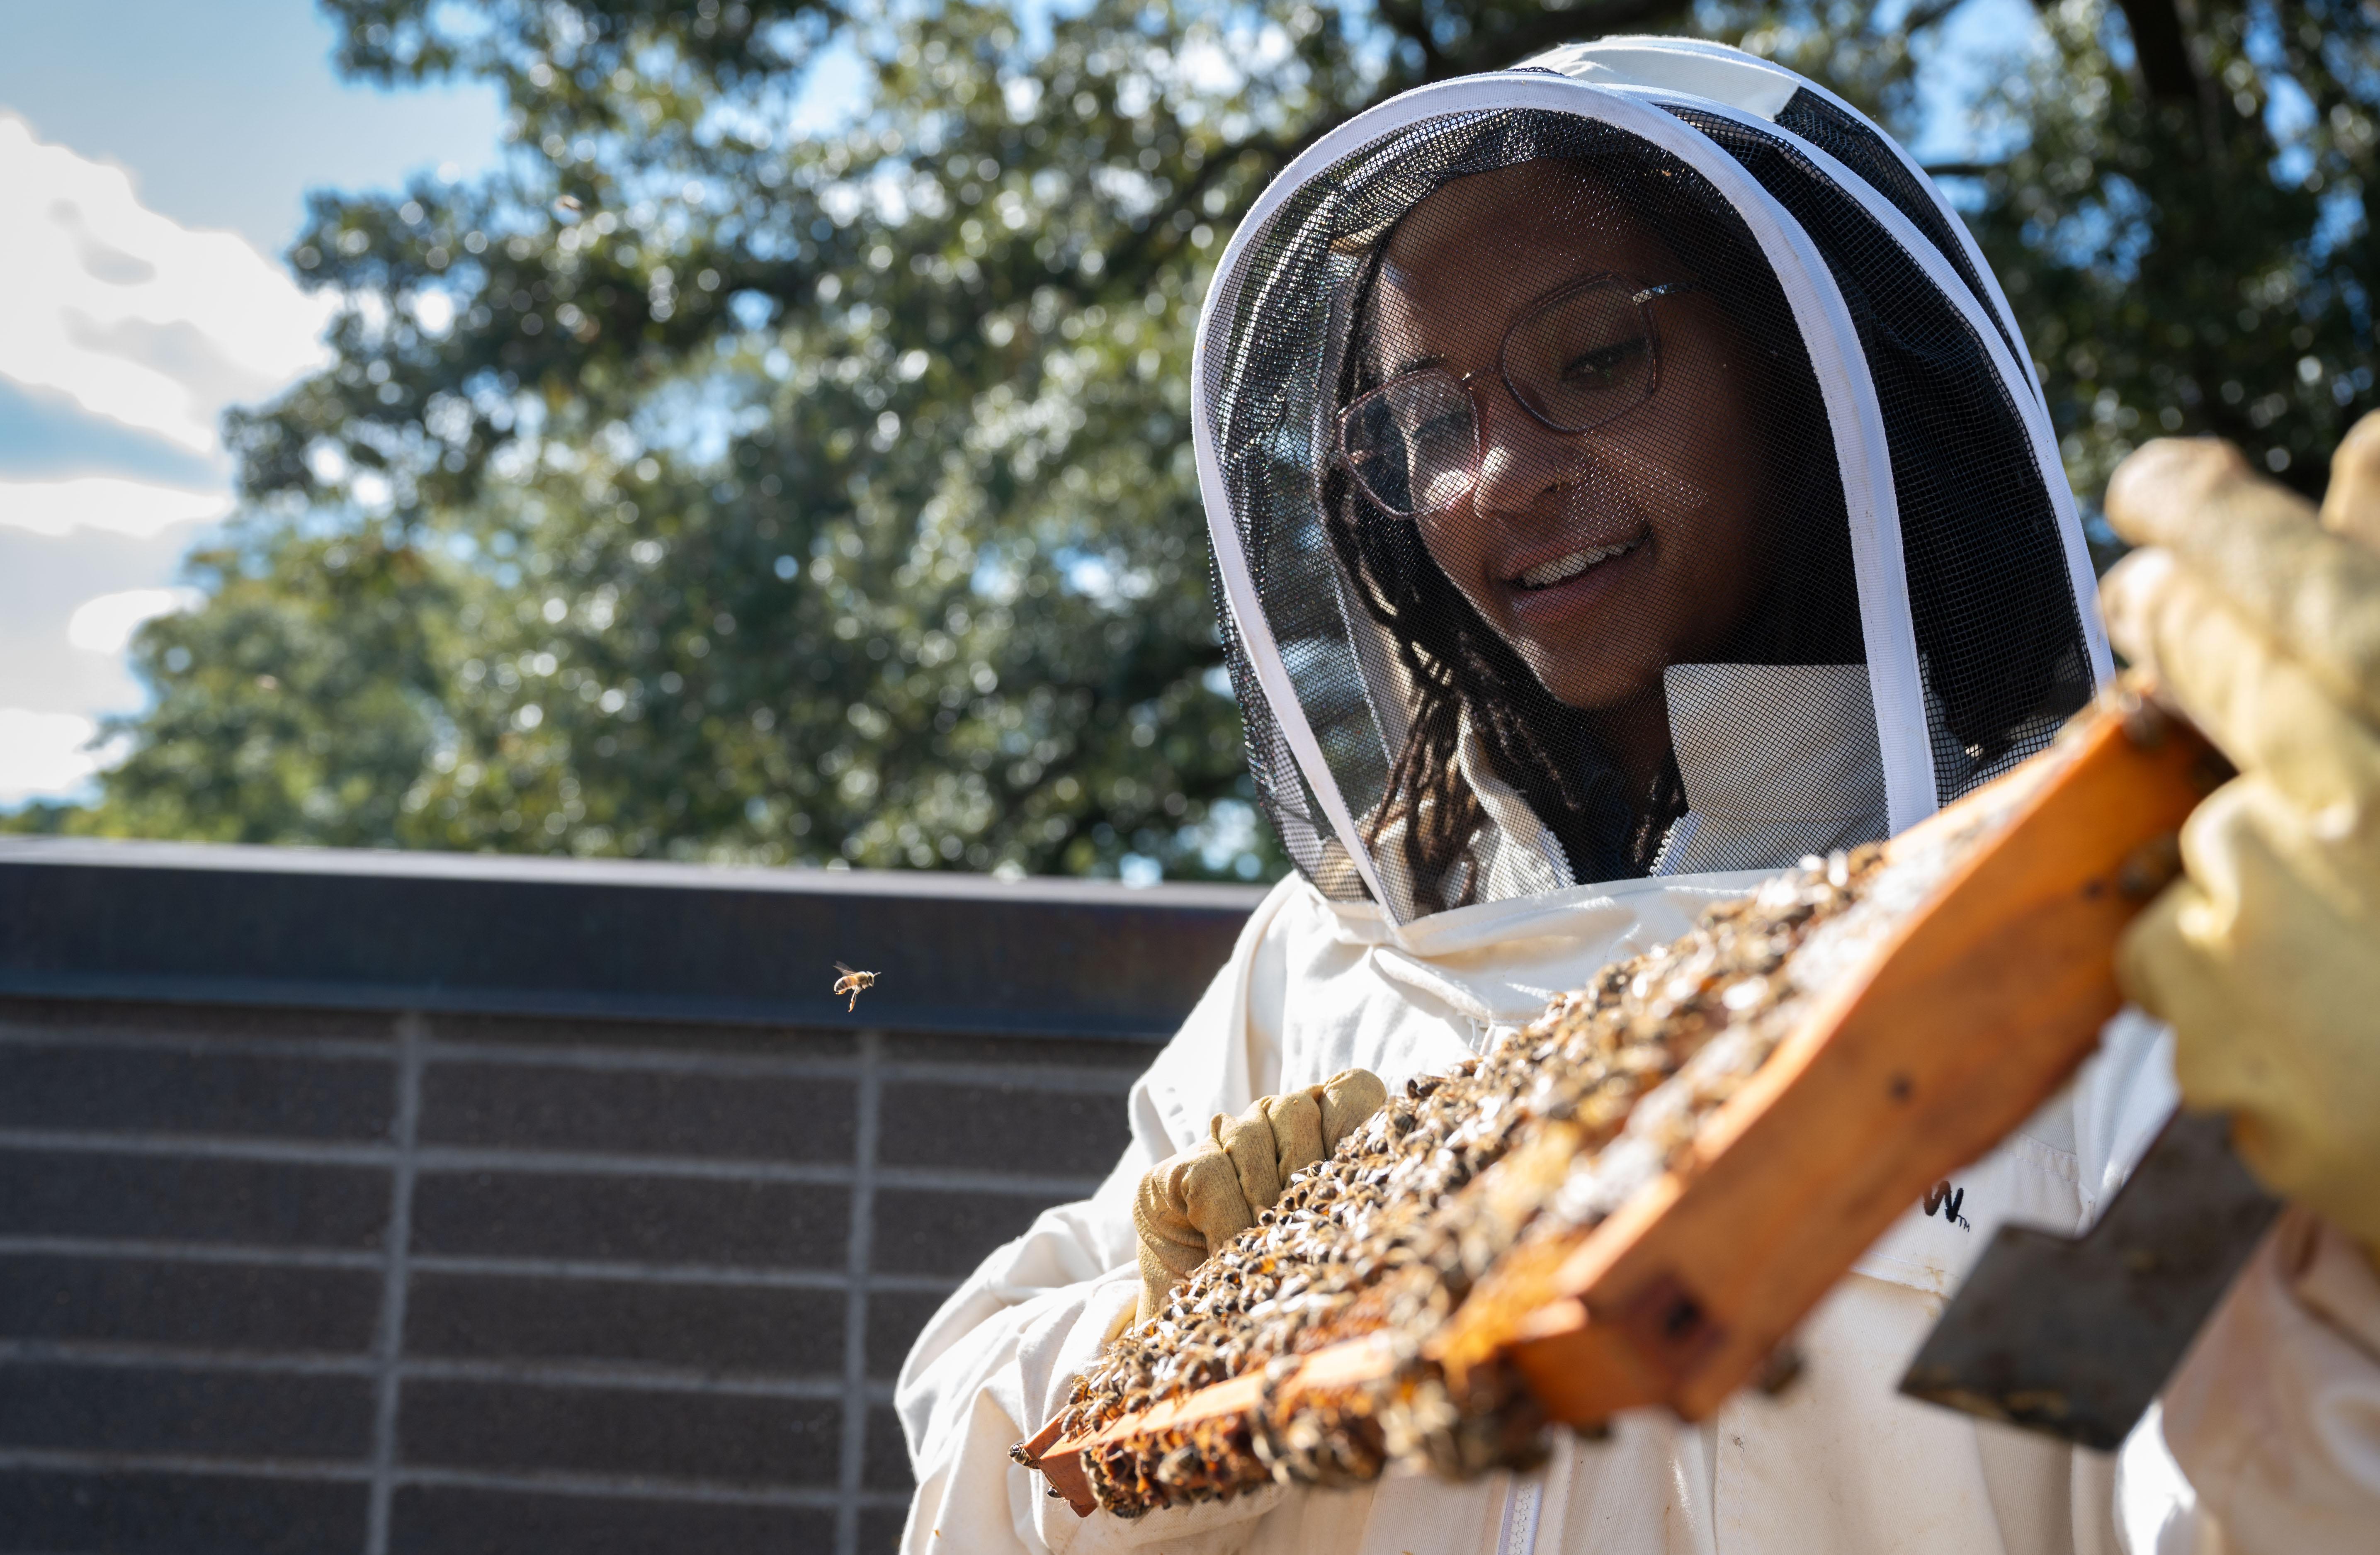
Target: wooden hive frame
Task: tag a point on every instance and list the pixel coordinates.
(1961, 1022)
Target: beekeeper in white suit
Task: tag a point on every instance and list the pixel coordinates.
(1625, 480)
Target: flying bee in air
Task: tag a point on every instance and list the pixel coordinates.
(854, 983)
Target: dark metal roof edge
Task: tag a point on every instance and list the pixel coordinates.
(530, 870)
(562, 1003)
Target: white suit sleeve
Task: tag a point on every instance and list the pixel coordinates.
(999, 1358)
(2274, 1417)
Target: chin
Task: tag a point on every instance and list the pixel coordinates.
(1598, 693)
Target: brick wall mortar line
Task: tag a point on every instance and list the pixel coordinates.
(532, 1162)
(652, 1487)
(968, 1071)
(176, 1357)
(526, 1372)
(674, 1060)
(942, 1179)
(388, 1346)
(563, 1054)
(366, 1049)
(133, 1248)
(558, 1163)
(629, 1378)
(855, 1326)
(54, 1460)
(676, 1274)
(1025, 1077)
(200, 1146)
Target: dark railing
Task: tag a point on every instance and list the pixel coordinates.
(379, 1202)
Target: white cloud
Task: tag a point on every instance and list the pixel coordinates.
(43, 754)
(133, 315)
(104, 502)
(106, 624)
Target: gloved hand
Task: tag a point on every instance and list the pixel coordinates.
(2265, 629)
(1193, 1204)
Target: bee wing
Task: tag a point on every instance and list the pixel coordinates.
(845, 970)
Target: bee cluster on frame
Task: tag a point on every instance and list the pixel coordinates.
(1539, 1139)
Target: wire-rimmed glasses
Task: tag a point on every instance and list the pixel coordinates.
(1583, 356)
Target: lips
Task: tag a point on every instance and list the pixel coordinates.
(1560, 569)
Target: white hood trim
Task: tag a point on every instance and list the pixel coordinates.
(2081, 577)
(1627, 52)
(1824, 323)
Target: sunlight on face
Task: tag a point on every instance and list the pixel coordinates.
(1601, 556)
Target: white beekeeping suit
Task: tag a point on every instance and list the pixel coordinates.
(1625, 477)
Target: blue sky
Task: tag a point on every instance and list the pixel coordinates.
(155, 159)
(226, 111)
(156, 165)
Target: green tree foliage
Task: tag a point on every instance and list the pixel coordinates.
(697, 487)
(694, 488)
(2181, 225)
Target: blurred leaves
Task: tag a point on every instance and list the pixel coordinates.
(699, 485)
(2195, 259)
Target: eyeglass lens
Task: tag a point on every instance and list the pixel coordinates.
(1576, 362)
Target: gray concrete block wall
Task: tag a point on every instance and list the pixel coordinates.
(318, 1280)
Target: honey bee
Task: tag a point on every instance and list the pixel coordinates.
(854, 983)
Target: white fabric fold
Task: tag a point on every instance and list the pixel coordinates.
(2274, 1419)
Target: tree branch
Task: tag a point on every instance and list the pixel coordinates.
(1925, 15)
(1547, 29)
(2163, 49)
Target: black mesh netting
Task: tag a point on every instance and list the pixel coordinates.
(1998, 631)
(1861, 148)
(1515, 428)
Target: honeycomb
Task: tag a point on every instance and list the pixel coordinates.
(1542, 1138)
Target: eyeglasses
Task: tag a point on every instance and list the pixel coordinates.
(1584, 356)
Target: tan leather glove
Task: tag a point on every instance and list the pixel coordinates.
(2263, 622)
(1193, 1204)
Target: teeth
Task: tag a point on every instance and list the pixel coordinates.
(1545, 575)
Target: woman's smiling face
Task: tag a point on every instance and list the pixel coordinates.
(1602, 556)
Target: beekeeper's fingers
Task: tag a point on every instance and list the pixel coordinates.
(1187, 1207)
(1308, 1124)
(2259, 546)
(2351, 506)
(1165, 1215)
(1349, 1099)
(2262, 962)
(1249, 1142)
(2262, 706)
(1296, 1121)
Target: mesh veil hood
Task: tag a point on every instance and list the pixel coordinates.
(1826, 378)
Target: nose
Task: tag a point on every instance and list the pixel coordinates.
(1520, 460)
